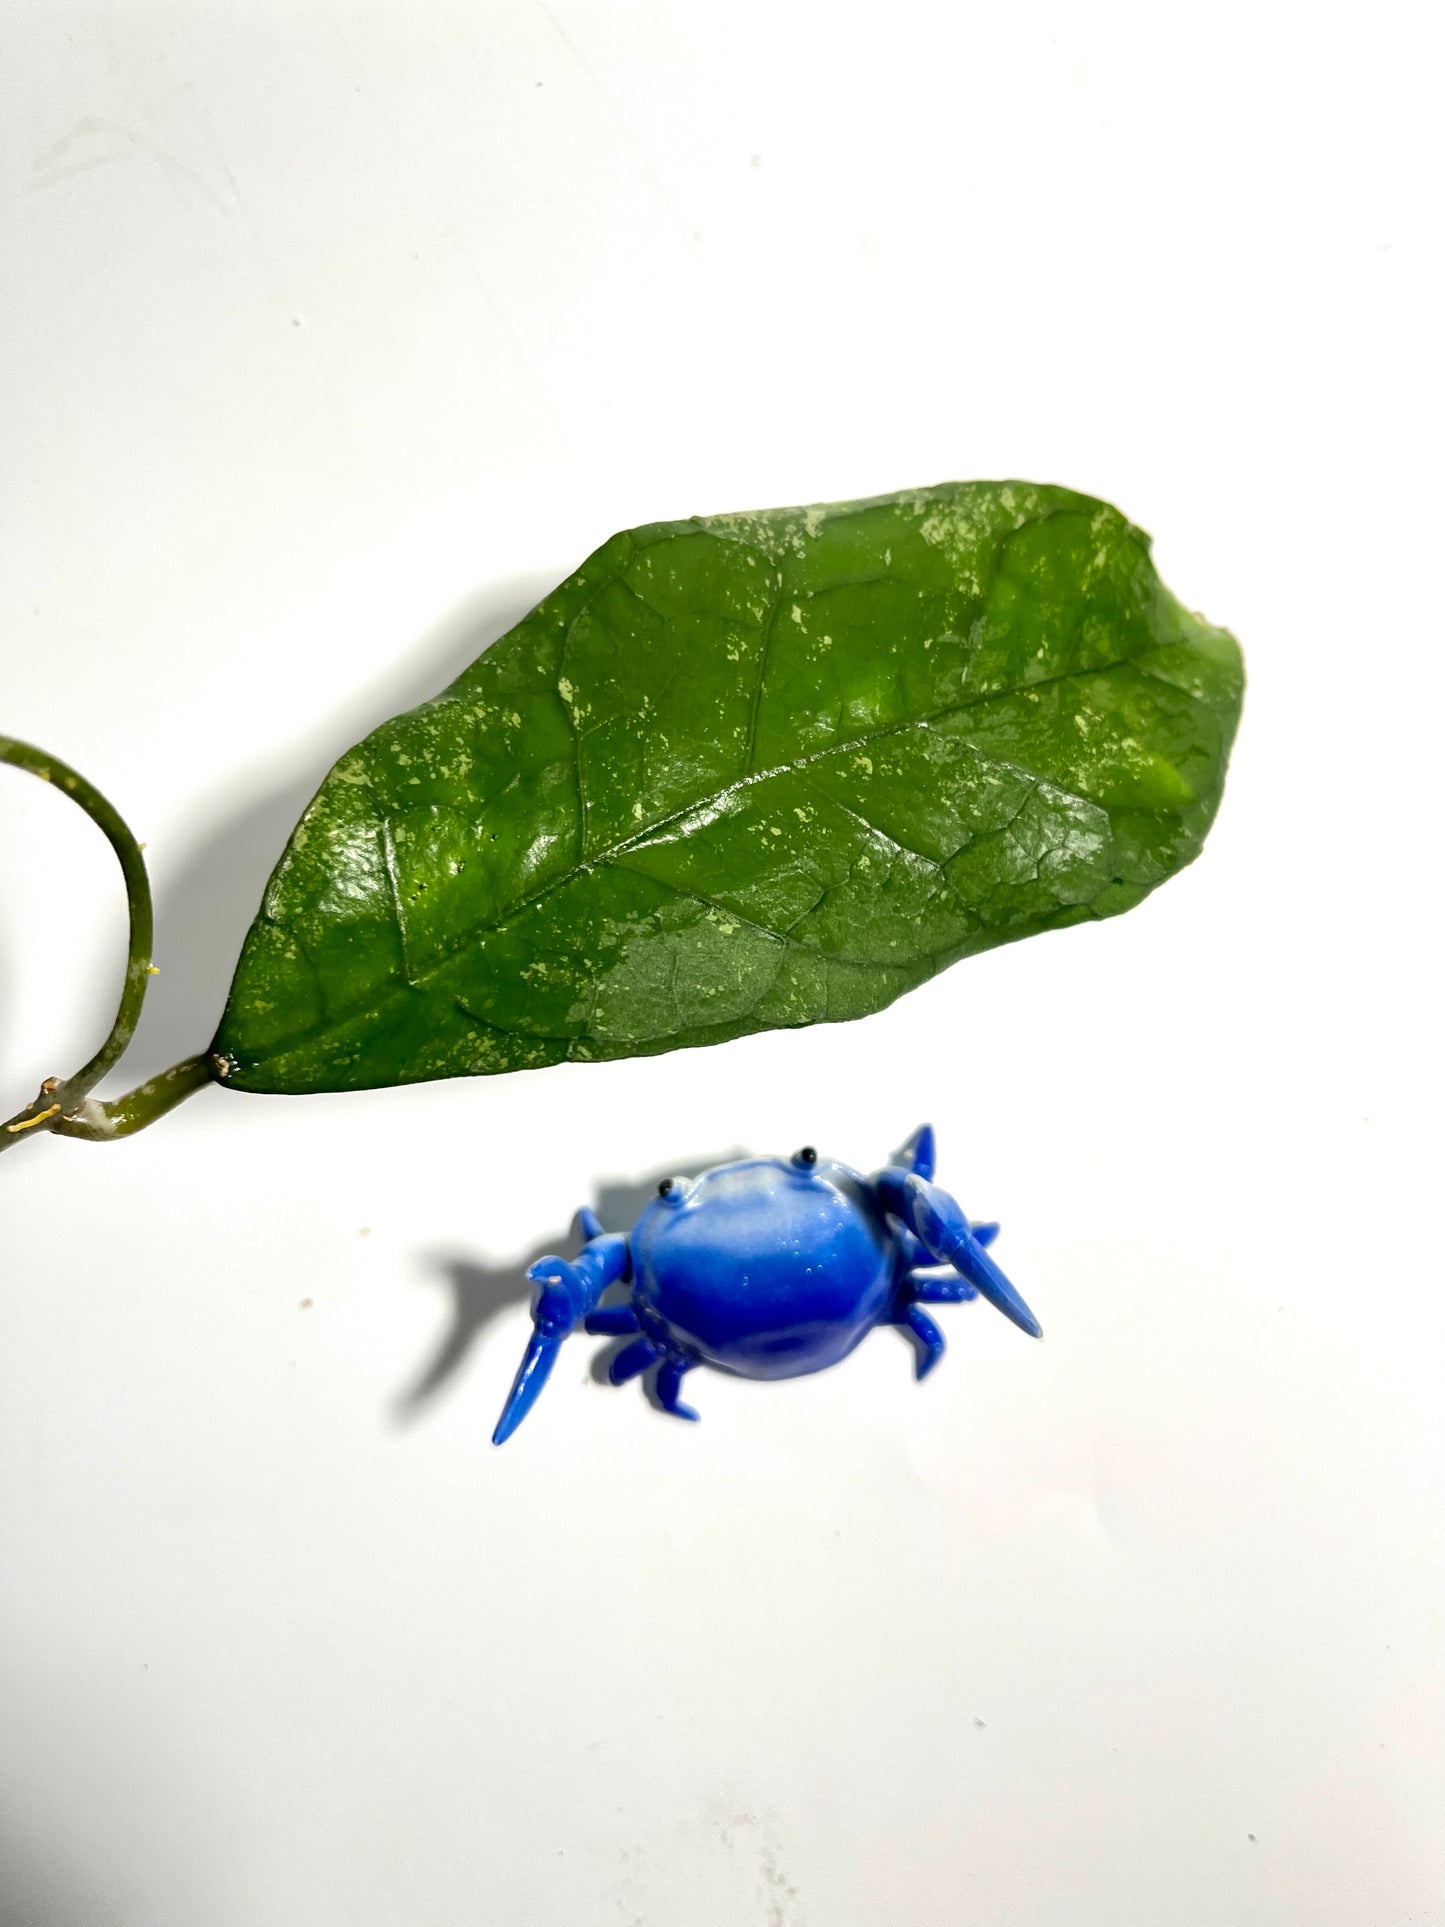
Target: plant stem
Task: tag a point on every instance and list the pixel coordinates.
(64, 1105)
(124, 1116)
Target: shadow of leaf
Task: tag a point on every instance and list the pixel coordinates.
(204, 908)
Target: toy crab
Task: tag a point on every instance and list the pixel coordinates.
(769, 1268)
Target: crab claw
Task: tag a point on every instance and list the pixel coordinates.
(555, 1314)
(564, 1297)
(567, 1293)
(533, 1373)
(938, 1220)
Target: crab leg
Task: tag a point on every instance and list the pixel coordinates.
(669, 1383)
(611, 1321)
(927, 1334)
(632, 1359)
(918, 1154)
(931, 1288)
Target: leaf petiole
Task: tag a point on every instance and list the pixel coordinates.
(64, 1105)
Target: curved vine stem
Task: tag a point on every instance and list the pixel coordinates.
(64, 1104)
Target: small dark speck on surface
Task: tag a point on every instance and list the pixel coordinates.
(306, 1304)
(978, 1722)
(1251, 1836)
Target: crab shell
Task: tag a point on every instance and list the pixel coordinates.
(769, 1267)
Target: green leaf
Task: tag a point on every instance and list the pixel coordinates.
(739, 772)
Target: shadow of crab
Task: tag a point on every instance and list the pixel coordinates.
(481, 1293)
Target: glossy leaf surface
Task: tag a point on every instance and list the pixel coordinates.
(740, 772)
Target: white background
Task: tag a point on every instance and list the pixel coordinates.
(332, 336)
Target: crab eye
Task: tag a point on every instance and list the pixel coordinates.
(665, 1188)
(807, 1155)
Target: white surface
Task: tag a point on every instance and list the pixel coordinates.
(332, 336)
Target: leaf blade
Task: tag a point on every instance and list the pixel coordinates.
(739, 772)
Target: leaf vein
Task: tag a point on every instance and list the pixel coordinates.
(765, 639)
(398, 910)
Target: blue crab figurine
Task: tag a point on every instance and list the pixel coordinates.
(769, 1268)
